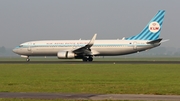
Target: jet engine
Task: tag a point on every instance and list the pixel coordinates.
(66, 55)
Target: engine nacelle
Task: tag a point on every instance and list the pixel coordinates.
(65, 55)
(24, 56)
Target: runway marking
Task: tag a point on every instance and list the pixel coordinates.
(94, 62)
(90, 96)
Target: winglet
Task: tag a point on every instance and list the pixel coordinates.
(91, 42)
(88, 46)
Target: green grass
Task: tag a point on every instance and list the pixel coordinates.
(91, 78)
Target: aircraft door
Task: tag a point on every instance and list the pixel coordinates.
(135, 45)
(76, 45)
(29, 47)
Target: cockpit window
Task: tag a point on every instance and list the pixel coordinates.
(21, 46)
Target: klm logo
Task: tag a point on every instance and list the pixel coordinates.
(154, 27)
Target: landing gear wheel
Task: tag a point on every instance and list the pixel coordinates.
(27, 59)
(90, 59)
(85, 59)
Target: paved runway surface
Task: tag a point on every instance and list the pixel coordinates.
(94, 62)
(90, 96)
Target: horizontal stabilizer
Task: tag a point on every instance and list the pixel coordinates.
(164, 40)
(154, 41)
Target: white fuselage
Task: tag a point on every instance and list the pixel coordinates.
(99, 48)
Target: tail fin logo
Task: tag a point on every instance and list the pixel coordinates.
(154, 27)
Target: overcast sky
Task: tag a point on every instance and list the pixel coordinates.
(28, 20)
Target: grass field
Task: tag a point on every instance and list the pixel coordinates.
(91, 78)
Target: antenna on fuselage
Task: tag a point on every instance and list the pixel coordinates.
(123, 38)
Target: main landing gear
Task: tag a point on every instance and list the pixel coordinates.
(85, 59)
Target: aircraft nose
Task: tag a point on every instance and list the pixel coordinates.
(15, 50)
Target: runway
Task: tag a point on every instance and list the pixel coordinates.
(90, 96)
(94, 62)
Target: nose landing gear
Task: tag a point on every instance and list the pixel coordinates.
(25, 56)
(27, 59)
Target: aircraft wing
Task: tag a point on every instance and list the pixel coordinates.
(86, 50)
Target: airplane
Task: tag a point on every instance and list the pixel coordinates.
(86, 49)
